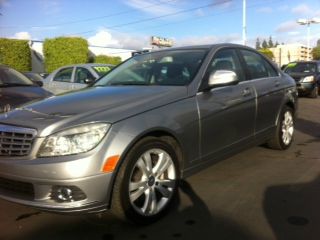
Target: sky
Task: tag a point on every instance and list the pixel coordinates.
(129, 24)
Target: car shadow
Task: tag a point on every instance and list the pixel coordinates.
(308, 127)
(292, 210)
(193, 220)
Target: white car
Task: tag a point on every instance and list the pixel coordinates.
(73, 77)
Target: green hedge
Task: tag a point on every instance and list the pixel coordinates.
(16, 54)
(107, 59)
(63, 51)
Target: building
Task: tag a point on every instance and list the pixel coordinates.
(285, 53)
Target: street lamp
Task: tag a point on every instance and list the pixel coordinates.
(304, 21)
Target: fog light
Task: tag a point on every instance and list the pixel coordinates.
(64, 194)
(67, 194)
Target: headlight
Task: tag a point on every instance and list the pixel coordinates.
(308, 79)
(74, 140)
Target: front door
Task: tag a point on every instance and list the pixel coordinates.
(227, 113)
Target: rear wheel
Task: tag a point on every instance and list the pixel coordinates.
(147, 182)
(283, 135)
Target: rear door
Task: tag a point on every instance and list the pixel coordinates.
(227, 113)
(269, 89)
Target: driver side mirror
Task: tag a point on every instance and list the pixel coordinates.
(89, 80)
(221, 78)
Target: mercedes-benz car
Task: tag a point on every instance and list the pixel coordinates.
(123, 144)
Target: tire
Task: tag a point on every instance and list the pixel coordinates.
(314, 92)
(147, 182)
(283, 135)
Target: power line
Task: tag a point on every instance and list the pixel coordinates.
(96, 18)
(158, 17)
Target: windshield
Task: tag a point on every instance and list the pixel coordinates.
(301, 68)
(11, 77)
(172, 67)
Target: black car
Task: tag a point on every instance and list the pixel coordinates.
(307, 76)
(16, 89)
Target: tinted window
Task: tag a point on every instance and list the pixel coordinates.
(226, 59)
(64, 75)
(82, 74)
(257, 66)
(9, 76)
(301, 67)
(171, 67)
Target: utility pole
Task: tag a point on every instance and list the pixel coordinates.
(244, 23)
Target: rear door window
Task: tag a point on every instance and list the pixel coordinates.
(257, 66)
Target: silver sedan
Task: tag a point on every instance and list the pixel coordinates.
(73, 77)
(123, 144)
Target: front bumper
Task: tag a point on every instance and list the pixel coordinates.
(88, 194)
(305, 88)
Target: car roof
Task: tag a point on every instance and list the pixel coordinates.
(88, 65)
(207, 47)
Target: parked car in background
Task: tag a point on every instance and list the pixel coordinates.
(16, 89)
(34, 77)
(307, 77)
(124, 143)
(73, 77)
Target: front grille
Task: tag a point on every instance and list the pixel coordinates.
(16, 141)
(22, 189)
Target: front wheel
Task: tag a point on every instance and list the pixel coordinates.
(147, 181)
(283, 135)
(314, 92)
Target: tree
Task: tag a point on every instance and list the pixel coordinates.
(276, 44)
(267, 52)
(289, 57)
(270, 42)
(316, 53)
(258, 44)
(264, 44)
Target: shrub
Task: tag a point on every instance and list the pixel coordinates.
(63, 51)
(16, 54)
(107, 59)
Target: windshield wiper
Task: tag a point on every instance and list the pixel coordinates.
(15, 85)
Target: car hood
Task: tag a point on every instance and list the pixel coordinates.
(108, 104)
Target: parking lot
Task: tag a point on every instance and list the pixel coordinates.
(257, 194)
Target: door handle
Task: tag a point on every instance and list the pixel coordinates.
(277, 83)
(246, 92)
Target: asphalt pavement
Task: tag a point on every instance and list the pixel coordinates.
(257, 194)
